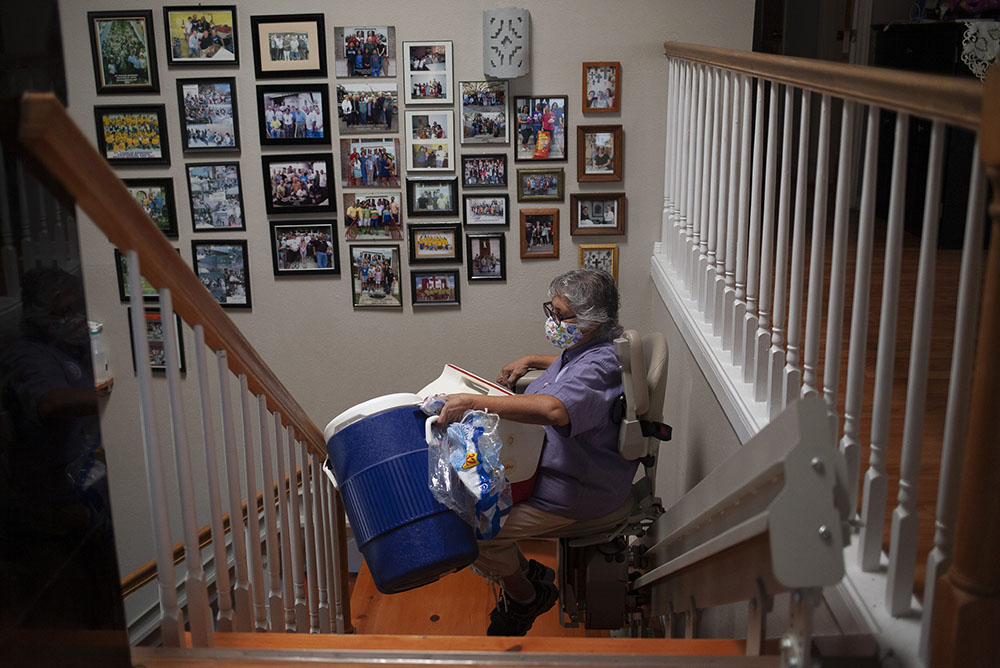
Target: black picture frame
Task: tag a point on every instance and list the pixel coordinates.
(162, 210)
(266, 66)
(474, 218)
(323, 201)
(426, 288)
(435, 242)
(124, 120)
(203, 214)
(218, 280)
(417, 188)
(526, 133)
(149, 293)
(192, 125)
(472, 170)
(385, 228)
(154, 342)
(280, 137)
(377, 296)
(494, 245)
(226, 32)
(107, 78)
(281, 261)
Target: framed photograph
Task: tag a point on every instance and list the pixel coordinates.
(121, 43)
(537, 185)
(602, 85)
(487, 209)
(365, 51)
(428, 77)
(435, 288)
(369, 163)
(430, 141)
(288, 45)
(157, 340)
(487, 256)
(599, 153)
(484, 112)
(201, 35)
(304, 247)
(209, 120)
(293, 114)
(488, 170)
(375, 276)
(541, 127)
(432, 197)
(149, 293)
(223, 268)
(300, 183)
(133, 135)
(597, 214)
(216, 196)
(370, 106)
(599, 256)
(539, 233)
(372, 217)
(156, 196)
(435, 242)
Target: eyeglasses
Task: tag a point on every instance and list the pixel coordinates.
(550, 313)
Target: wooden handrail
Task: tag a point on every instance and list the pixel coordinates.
(949, 99)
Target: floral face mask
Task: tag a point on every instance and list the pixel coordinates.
(562, 334)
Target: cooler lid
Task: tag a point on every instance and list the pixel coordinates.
(369, 408)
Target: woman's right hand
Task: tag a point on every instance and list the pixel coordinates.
(510, 374)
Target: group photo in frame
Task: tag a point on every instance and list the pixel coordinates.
(209, 120)
(602, 87)
(369, 162)
(485, 170)
(541, 127)
(427, 70)
(430, 140)
(293, 114)
(368, 106)
(432, 197)
(215, 194)
(599, 256)
(484, 112)
(133, 134)
(364, 51)
(299, 183)
(541, 184)
(486, 209)
(304, 247)
(201, 35)
(156, 197)
(149, 293)
(599, 153)
(597, 214)
(124, 51)
(435, 242)
(487, 256)
(288, 45)
(375, 276)
(224, 269)
(372, 216)
(156, 340)
(539, 233)
(435, 287)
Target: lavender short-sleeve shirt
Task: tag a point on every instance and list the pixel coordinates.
(581, 475)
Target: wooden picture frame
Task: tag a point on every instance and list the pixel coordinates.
(368, 288)
(427, 73)
(382, 94)
(602, 86)
(541, 184)
(430, 198)
(221, 23)
(223, 267)
(298, 183)
(539, 231)
(283, 119)
(288, 59)
(597, 214)
(156, 197)
(435, 242)
(287, 240)
(122, 62)
(211, 212)
(430, 140)
(486, 210)
(484, 170)
(133, 134)
(593, 143)
(486, 256)
(357, 55)
(530, 114)
(156, 340)
(599, 256)
(435, 287)
(149, 293)
(209, 124)
(385, 225)
(484, 114)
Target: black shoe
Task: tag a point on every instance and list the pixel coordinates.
(511, 618)
(536, 571)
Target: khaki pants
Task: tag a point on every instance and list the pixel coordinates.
(501, 557)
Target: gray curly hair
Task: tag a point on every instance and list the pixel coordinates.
(593, 296)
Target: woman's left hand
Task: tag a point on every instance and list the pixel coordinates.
(455, 407)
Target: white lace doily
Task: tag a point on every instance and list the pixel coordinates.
(980, 45)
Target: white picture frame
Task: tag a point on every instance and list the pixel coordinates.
(430, 138)
(428, 73)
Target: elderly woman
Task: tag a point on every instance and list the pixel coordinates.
(580, 475)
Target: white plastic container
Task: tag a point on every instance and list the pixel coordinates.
(98, 352)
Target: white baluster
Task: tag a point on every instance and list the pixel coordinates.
(298, 549)
(739, 309)
(171, 622)
(321, 530)
(340, 585)
(698, 183)
(285, 490)
(8, 253)
(224, 596)
(707, 259)
(668, 155)
(905, 519)
(684, 147)
(195, 584)
(762, 336)
(959, 391)
(329, 538)
(274, 598)
(749, 324)
(311, 575)
(726, 170)
(257, 584)
(688, 194)
(792, 376)
(817, 256)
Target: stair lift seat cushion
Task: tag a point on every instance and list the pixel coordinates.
(379, 455)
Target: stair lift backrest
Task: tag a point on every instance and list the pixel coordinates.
(644, 365)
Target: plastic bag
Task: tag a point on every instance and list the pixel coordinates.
(464, 471)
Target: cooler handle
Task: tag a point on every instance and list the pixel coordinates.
(428, 434)
(328, 470)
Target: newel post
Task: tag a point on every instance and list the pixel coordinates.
(966, 612)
